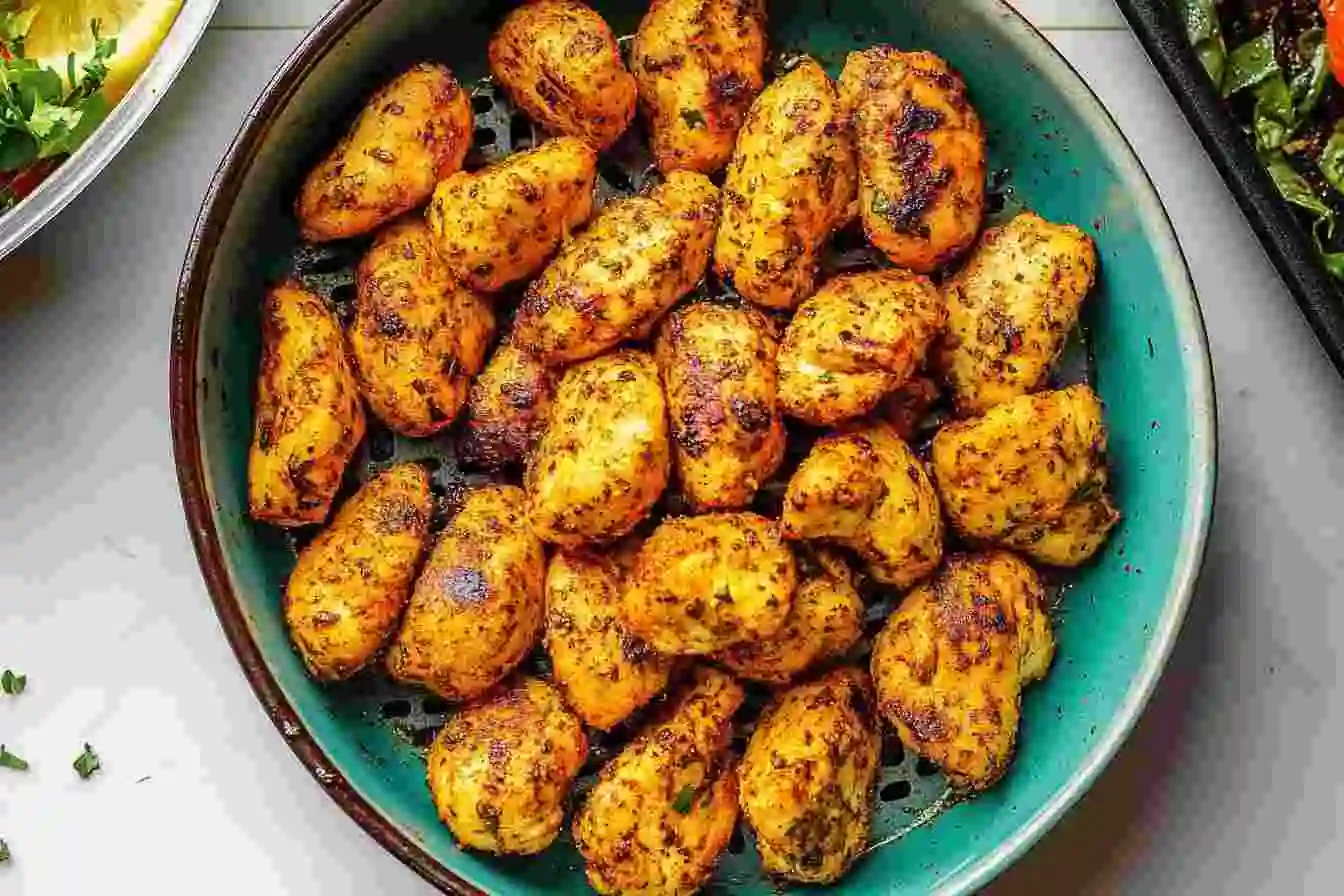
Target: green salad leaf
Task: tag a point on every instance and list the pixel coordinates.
(1331, 161)
(1309, 83)
(1250, 63)
(42, 114)
(1200, 19)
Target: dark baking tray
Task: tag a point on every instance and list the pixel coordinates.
(1287, 242)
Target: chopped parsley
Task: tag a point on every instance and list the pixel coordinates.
(694, 118)
(682, 804)
(87, 763)
(13, 683)
(4, 852)
(10, 761)
(46, 114)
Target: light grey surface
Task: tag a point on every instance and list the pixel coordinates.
(1230, 785)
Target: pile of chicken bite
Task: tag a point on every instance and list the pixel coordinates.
(657, 345)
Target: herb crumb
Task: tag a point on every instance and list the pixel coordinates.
(12, 683)
(87, 763)
(11, 761)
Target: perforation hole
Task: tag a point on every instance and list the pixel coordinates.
(482, 103)
(435, 706)
(896, 790)
(484, 137)
(520, 132)
(925, 769)
(395, 709)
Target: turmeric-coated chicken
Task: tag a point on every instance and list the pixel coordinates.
(605, 672)
(477, 607)
(559, 62)
(921, 155)
(614, 280)
(866, 490)
(699, 64)
(1012, 475)
(501, 224)
(790, 185)
(808, 775)
(719, 368)
(701, 584)
(501, 769)
(825, 621)
(664, 809)
(1011, 308)
(413, 132)
(309, 419)
(603, 459)
(952, 661)
(418, 338)
(506, 410)
(351, 583)
(861, 337)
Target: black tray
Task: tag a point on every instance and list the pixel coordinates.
(1289, 245)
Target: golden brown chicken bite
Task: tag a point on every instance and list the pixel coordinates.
(790, 185)
(500, 770)
(808, 774)
(866, 490)
(414, 132)
(309, 418)
(699, 65)
(921, 155)
(499, 225)
(478, 605)
(615, 280)
(507, 410)
(418, 338)
(861, 337)
(603, 459)
(718, 364)
(664, 809)
(352, 581)
(605, 672)
(1011, 308)
(825, 621)
(701, 584)
(952, 660)
(559, 62)
(1012, 475)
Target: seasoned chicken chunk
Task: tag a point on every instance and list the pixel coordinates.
(413, 132)
(952, 660)
(309, 418)
(808, 776)
(559, 62)
(861, 337)
(699, 65)
(1071, 540)
(603, 459)
(605, 672)
(507, 410)
(418, 338)
(351, 582)
(921, 155)
(718, 366)
(478, 605)
(501, 224)
(790, 185)
(701, 584)
(614, 280)
(664, 809)
(866, 490)
(1011, 308)
(1012, 475)
(825, 621)
(500, 770)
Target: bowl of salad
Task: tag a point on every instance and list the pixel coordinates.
(1262, 83)
(70, 69)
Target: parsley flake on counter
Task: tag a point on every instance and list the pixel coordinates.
(10, 761)
(4, 852)
(13, 683)
(87, 763)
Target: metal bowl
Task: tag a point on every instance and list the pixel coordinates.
(1062, 155)
(78, 171)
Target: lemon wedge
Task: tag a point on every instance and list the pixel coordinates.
(61, 27)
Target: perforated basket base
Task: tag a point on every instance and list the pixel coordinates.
(910, 791)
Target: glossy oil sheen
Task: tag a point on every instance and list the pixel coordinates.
(1064, 159)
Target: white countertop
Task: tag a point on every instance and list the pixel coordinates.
(1231, 784)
